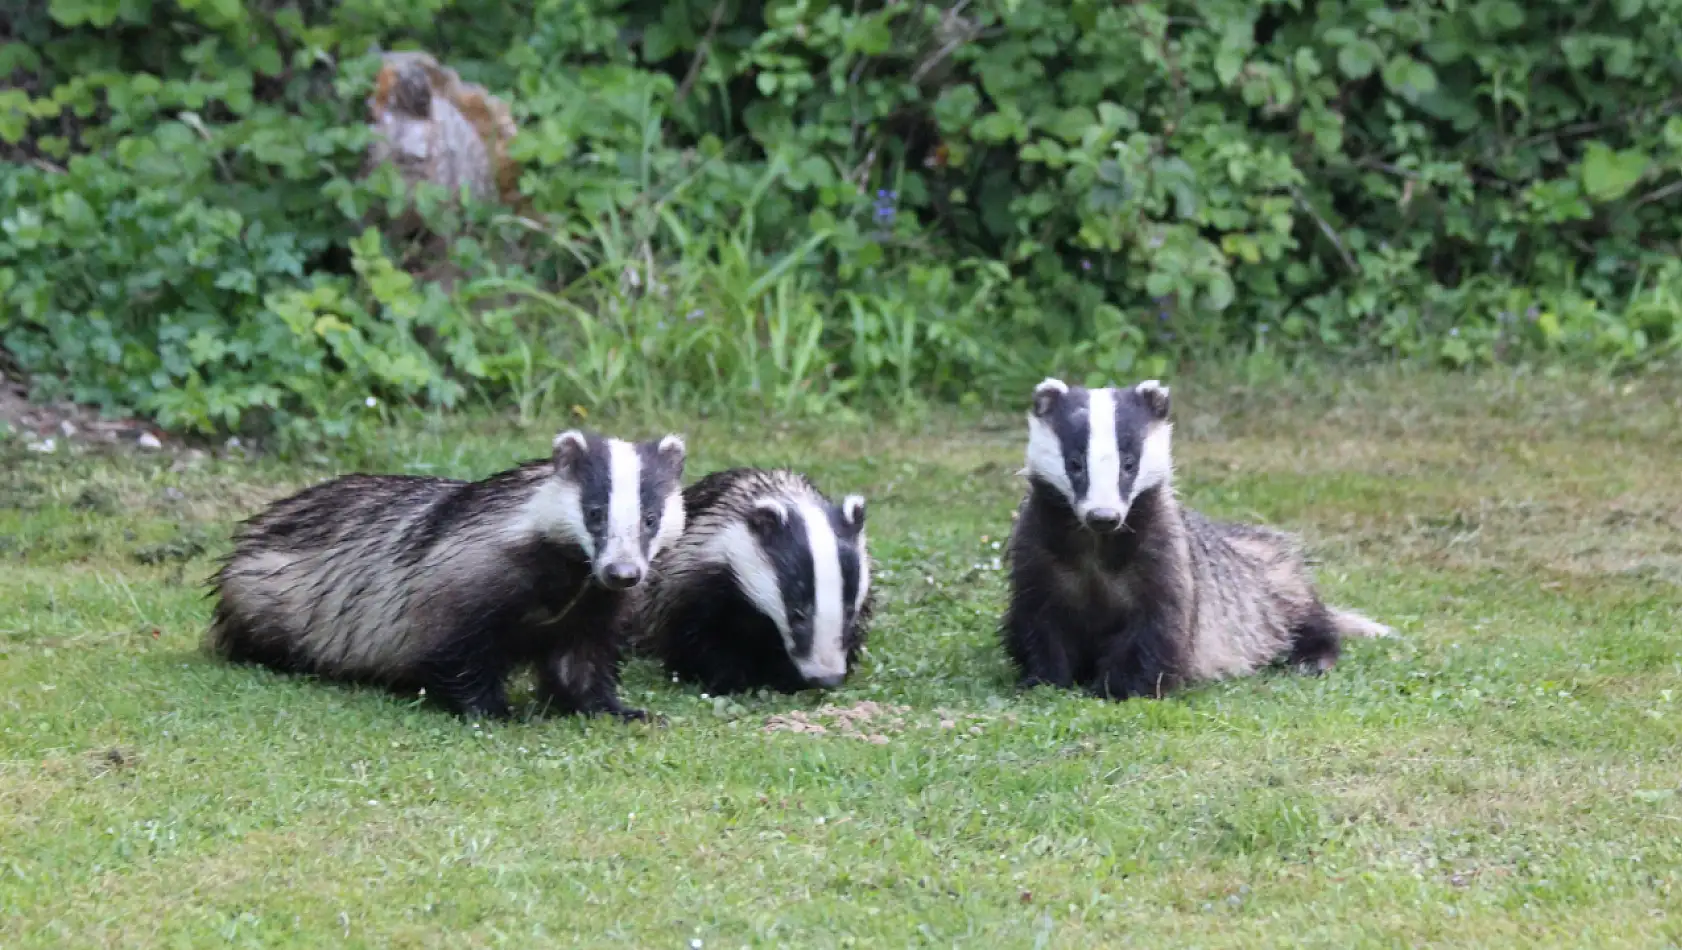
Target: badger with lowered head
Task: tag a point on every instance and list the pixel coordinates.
(769, 586)
(1117, 589)
(436, 584)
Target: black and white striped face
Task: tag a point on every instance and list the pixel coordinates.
(621, 501)
(1100, 449)
(803, 563)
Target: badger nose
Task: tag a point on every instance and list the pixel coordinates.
(1103, 519)
(825, 682)
(620, 576)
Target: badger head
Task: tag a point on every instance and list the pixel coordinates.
(1099, 449)
(622, 502)
(802, 562)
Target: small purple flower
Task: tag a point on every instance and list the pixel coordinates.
(695, 314)
(886, 205)
(1506, 316)
(1533, 312)
(1085, 264)
(1454, 331)
(1262, 329)
(1155, 241)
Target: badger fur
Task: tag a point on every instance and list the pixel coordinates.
(445, 586)
(1117, 589)
(769, 586)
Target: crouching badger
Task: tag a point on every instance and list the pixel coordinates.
(769, 586)
(445, 585)
(1119, 590)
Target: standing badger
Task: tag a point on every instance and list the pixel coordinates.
(1117, 589)
(769, 586)
(447, 585)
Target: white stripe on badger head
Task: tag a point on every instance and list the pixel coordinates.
(852, 508)
(1045, 458)
(555, 511)
(1045, 451)
(826, 658)
(673, 517)
(864, 576)
(623, 541)
(1103, 456)
(1156, 462)
(757, 579)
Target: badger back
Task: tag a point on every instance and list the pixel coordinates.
(324, 580)
(801, 560)
(1253, 591)
(1098, 450)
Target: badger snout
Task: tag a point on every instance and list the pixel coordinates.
(619, 575)
(1106, 520)
(822, 672)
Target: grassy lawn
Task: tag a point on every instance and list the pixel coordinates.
(1508, 771)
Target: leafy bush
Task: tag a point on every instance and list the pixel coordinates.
(800, 204)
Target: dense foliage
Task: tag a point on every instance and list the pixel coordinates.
(796, 204)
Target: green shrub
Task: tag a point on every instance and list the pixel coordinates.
(798, 205)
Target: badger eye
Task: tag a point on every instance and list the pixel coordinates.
(1127, 466)
(1076, 466)
(650, 519)
(594, 514)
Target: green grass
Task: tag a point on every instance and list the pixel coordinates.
(1507, 772)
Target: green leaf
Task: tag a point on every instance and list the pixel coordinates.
(98, 13)
(18, 56)
(1504, 14)
(1358, 59)
(1220, 292)
(657, 43)
(870, 36)
(1410, 78)
(956, 107)
(1228, 64)
(1114, 117)
(993, 128)
(266, 60)
(1455, 350)
(1609, 174)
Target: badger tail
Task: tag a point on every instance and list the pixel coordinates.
(1351, 624)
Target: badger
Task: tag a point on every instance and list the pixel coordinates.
(1117, 589)
(443, 585)
(768, 587)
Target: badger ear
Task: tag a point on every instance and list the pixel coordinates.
(570, 447)
(1047, 393)
(852, 509)
(767, 516)
(675, 452)
(1156, 397)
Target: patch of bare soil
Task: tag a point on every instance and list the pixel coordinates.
(49, 427)
(866, 720)
(875, 722)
